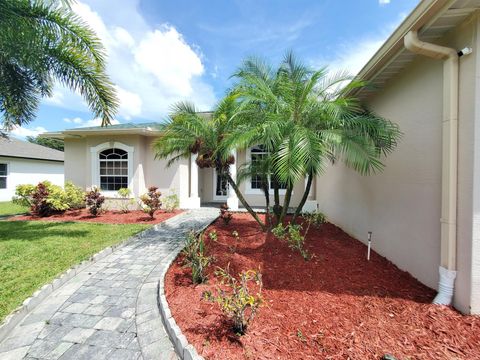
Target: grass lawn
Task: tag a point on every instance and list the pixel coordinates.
(32, 253)
(9, 208)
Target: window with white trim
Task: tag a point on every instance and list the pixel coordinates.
(113, 169)
(258, 153)
(3, 176)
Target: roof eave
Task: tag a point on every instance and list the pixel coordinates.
(81, 133)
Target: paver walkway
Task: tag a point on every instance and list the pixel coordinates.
(95, 314)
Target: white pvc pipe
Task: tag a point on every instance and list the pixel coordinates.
(448, 221)
(369, 244)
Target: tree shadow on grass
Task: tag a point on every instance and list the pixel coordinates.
(37, 231)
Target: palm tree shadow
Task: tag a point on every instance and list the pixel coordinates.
(36, 231)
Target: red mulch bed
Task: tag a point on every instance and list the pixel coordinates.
(107, 217)
(344, 306)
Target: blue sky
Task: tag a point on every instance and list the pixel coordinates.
(161, 52)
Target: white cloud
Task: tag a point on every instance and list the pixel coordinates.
(353, 56)
(87, 123)
(97, 122)
(130, 103)
(152, 67)
(75, 120)
(165, 54)
(384, 2)
(23, 132)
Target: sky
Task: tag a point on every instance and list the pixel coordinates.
(161, 52)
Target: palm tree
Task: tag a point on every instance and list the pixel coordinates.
(42, 42)
(188, 132)
(307, 118)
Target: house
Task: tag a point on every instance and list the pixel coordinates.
(22, 162)
(121, 156)
(423, 210)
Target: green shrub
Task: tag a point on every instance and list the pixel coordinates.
(171, 202)
(151, 201)
(126, 201)
(47, 198)
(195, 257)
(241, 300)
(94, 201)
(23, 195)
(315, 218)
(57, 198)
(292, 234)
(213, 235)
(279, 232)
(74, 195)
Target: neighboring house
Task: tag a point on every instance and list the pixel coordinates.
(22, 162)
(423, 210)
(121, 156)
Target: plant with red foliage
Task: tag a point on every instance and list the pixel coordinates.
(94, 201)
(40, 205)
(225, 215)
(151, 201)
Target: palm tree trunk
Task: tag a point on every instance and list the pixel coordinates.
(277, 209)
(286, 203)
(267, 204)
(244, 202)
(304, 198)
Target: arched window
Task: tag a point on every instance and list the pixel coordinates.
(113, 169)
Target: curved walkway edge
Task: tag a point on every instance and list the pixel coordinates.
(103, 308)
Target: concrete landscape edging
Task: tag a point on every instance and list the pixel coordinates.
(184, 350)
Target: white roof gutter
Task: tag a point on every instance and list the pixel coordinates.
(448, 221)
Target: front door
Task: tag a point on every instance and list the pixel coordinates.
(220, 187)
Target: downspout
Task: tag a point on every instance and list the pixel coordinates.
(448, 221)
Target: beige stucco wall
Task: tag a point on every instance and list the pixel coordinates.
(146, 169)
(402, 205)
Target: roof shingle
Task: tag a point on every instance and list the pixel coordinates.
(11, 147)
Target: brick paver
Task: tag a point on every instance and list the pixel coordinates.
(109, 310)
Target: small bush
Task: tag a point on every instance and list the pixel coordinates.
(195, 257)
(225, 215)
(151, 201)
(213, 235)
(241, 299)
(40, 206)
(57, 198)
(126, 201)
(74, 196)
(23, 195)
(279, 232)
(171, 202)
(315, 218)
(47, 198)
(94, 201)
(292, 234)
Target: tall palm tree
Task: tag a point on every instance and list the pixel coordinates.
(307, 118)
(42, 42)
